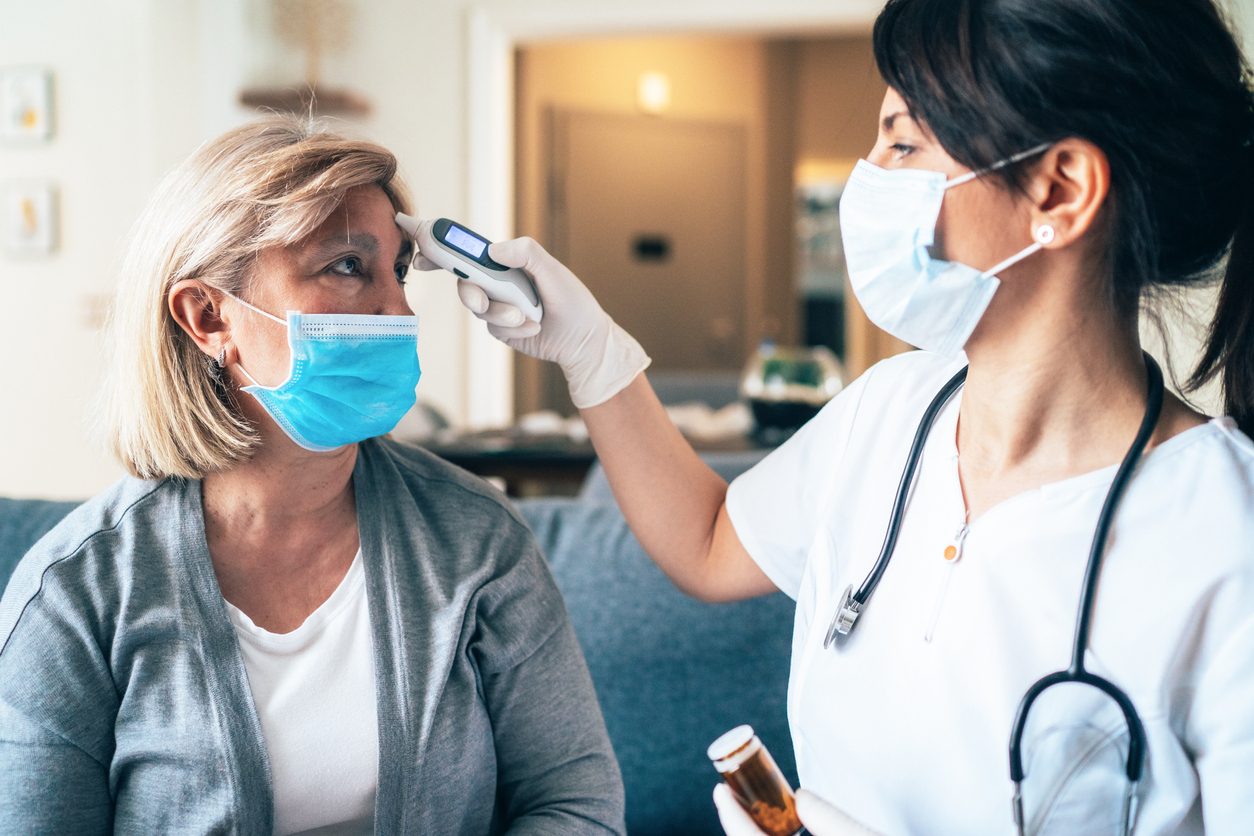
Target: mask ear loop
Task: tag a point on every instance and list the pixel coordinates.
(240, 366)
(251, 379)
(282, 322)
(1043, 235)
(220, 364)
(1017, 158)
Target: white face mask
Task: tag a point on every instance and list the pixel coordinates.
(887, 223)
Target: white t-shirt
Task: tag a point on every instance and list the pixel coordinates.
(906, 725)
(315, 694)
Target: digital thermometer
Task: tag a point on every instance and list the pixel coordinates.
(465, 253)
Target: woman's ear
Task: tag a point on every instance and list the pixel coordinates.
(198, 311)
(1069, 187)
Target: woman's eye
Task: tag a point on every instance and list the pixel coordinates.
(350, 266)
(902, 149)
(402, 270)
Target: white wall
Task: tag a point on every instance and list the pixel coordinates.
(139, 84)
(122, 107)
(1242, 12)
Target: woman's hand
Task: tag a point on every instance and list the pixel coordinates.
(598, 357)
(819, 817)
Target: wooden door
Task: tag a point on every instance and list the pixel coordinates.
(650, 213)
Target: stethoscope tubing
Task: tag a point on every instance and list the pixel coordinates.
(1153, 408)
(1084, 619)
(907, 483)
(851, 604)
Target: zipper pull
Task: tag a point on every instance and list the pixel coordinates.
(953, 552)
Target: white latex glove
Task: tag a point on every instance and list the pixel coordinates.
(819, 817)
(597, 356)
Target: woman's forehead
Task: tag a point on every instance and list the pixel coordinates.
(364, 219)
(894, 109)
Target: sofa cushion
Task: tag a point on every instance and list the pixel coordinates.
(672, 673)
(727, 464)
(22, 523)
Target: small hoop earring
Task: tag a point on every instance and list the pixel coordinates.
(1044, 234)
(216, 365)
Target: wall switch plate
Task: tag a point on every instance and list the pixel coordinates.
(30, 217)
(25, 104)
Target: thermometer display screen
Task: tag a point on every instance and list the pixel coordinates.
(464, 241)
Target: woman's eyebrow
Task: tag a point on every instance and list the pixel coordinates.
(362, 242)
(892, 117)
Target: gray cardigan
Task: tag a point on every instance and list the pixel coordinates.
(125, 706)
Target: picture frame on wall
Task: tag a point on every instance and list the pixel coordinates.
(30, 223)
(26, 104)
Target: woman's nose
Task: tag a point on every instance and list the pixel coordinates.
(386, 295)
(393, 301)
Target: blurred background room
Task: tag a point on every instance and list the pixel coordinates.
(684, 157)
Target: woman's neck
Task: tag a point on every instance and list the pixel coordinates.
(1054, 392)
(282, 529)
(283, 484)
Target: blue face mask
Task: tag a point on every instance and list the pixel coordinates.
(352, 377)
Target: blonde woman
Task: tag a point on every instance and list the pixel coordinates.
(282, 623)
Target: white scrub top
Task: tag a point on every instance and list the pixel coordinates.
(906, 725)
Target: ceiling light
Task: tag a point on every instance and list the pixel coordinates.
(653, 92)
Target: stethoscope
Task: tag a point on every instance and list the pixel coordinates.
(852, 604)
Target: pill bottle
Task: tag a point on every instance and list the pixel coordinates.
(756, 781)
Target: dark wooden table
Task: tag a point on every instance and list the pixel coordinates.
(530, 465)
(537, 465)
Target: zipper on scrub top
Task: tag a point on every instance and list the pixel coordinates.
(951, 555)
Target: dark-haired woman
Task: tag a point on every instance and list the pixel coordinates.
(1042, 167)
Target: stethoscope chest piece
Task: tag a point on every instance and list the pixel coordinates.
(846, 614)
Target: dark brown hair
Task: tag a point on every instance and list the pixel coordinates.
(1159, 85)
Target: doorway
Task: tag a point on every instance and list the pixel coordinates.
(688, 220)
(650, 213)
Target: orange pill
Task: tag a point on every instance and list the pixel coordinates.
(951, 552)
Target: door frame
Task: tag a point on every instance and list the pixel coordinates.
(497, 28)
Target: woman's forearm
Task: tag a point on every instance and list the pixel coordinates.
(556, 770)
(49, 784)
(672, 500)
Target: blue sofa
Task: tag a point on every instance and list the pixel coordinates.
(671, 673)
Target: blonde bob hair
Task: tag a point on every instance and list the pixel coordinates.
(269, 183)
